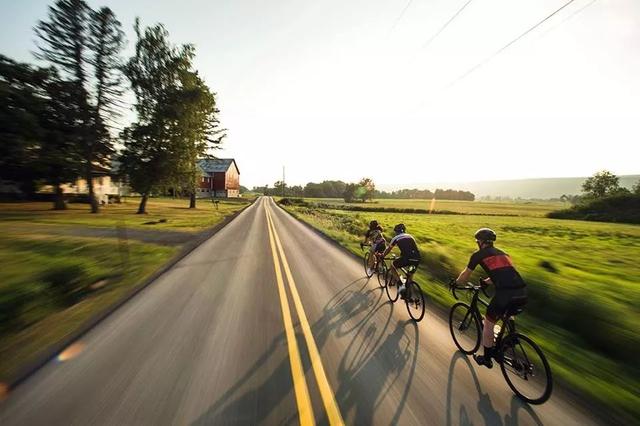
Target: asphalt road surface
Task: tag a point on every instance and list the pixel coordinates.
(268, 323)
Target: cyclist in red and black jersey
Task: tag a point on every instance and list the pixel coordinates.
(409, 254)
(510, 286)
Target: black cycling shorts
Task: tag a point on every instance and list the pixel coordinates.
(380, 247)
(502, 299)
(403, 262)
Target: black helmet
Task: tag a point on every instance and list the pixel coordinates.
(399, 228)
(485, 235)
(373, 224)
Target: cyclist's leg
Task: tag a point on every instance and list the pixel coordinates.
(495, 310)
(414, 264)
(372, 256)
(395, 275)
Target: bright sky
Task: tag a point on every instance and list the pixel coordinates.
(338, 89)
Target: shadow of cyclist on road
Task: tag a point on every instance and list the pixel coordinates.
(484, 405)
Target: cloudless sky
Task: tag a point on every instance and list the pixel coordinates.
(338, 89)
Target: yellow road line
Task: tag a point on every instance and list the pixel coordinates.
(328, 399)
(305, 411)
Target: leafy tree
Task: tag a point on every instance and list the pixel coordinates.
(78, 40)
(349, 193)
(154, 154)
(22, 100)
(279, 188)
(37, 124)
(601, 184)
(636, 188)
(366, 189)
(197, 129)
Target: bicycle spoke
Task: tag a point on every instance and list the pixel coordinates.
(525, 369)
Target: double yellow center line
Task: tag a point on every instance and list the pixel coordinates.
(305, 410)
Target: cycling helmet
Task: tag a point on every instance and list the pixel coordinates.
(399, 228)
(485, 235)
(373, 224)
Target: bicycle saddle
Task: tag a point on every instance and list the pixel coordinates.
(515, 306)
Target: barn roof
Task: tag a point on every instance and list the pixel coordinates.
(211, 165)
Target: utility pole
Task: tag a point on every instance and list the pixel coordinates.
(282, 181)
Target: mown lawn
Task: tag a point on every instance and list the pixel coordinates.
(583, 283)
(523, 208)
(174, 212)
(55, 274)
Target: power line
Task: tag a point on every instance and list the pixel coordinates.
(576, 12)
(506, 46)
(400, 16)
(446, 24)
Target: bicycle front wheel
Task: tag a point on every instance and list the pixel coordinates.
(465, 328)
(391, 286)
(526, 369)
(367, 272)
(382, 274)
(415, 301)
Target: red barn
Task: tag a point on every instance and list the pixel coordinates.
(220, 178)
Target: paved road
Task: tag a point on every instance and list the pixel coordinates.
(237, 333)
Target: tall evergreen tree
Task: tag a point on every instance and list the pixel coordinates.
(83, 42)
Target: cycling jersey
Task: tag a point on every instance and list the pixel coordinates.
(497, 264)
(407, 245)
(375, 236)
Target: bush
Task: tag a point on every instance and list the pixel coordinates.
(624, 208)
(292, 202)
(12, 302)
(66, 283)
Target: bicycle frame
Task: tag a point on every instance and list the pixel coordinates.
(506, 323)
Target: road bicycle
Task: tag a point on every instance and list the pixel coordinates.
(523, 364)
(379, 268)
(414, 297)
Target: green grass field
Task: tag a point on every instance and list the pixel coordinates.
(176, 213)
(523, 208)
(57, 271)
(583, 286)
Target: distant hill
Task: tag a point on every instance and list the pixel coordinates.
(542, 188)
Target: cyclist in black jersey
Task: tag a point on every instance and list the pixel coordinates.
(375, 238)
(409, 254)
(510, 287)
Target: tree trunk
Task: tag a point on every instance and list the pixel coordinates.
(95, 208)
(58, 201)
(142, 209)
(192, 200)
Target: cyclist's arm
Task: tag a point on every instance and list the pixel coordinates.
(389, 248)
(366, 238)
(464, 276)
(466, 273)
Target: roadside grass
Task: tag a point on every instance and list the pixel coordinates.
(175, 213)
(520, 208)
(583, 287)
(53, 278)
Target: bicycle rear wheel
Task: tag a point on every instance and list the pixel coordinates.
(526, 369)
(415, 301)
(391, 286)
(465, 328)
(382, 274)
(367, 255)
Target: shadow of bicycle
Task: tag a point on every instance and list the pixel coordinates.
(484, 406)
